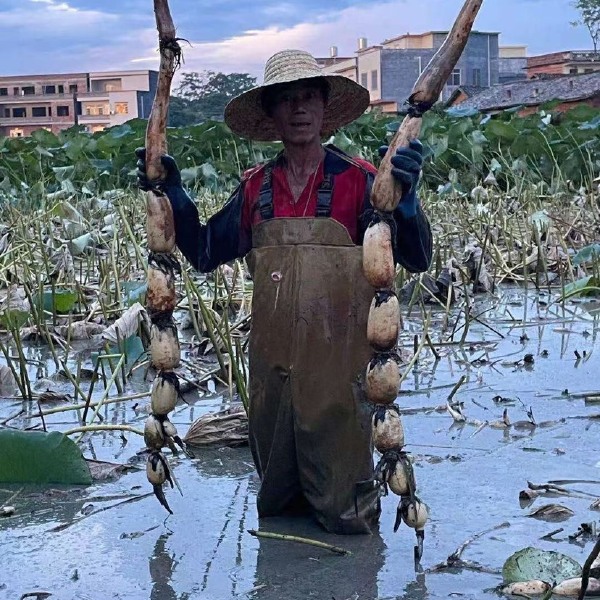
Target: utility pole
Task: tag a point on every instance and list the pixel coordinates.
(75, 115)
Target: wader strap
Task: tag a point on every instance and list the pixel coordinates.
(265, 196)
(324, 196)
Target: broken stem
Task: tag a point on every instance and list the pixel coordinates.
(301, 540)
(91, 428)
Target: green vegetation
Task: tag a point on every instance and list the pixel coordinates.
(463, 148)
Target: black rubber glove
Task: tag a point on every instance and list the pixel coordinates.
(406, 168)
(171, 184)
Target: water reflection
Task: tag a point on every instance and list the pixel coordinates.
(297, 571)
(162, 566)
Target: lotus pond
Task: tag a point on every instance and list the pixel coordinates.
(500, 397)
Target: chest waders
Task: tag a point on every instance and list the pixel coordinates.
(310, 431)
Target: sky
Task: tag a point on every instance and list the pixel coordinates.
(52, 36)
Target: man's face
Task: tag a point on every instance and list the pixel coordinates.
(298, 112)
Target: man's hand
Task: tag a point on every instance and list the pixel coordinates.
(171, 184)
(406, 168)
(172, 178)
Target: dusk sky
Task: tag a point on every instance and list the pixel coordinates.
(51, 36)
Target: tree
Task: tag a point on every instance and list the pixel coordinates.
(203, 96)
(589, 11)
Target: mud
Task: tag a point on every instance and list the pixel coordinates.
(469, 475)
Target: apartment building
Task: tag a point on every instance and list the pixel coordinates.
(390, 70)
(512, 63)
(55, 102)
(572, 62)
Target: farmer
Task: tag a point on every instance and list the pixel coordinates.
(299, 219)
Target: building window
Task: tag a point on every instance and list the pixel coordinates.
(7, 113)
(15, 91)
(454, 78)
(62, 111)
(96, 109)
(364, 80)
(49, 89)
(477, 77)
(3, 91)
(106, 85)
(588, 70)
(28, 90)
(38, 111)
(73, 88)
(16, 132)
(573, 71)
(121, 108)
(61, 89)
(374, 81)
(19, 113)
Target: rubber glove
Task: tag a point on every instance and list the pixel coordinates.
(171, 184)
(406, 169)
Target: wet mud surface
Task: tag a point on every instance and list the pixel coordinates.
(113, 540)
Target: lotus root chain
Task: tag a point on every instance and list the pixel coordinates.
(382, 378)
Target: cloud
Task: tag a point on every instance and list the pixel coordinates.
(543, 25)
(76, 35)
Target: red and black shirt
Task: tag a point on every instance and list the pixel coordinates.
(228, 234)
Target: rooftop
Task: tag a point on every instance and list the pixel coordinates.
(567, 88)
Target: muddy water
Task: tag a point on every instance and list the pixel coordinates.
(470, 477)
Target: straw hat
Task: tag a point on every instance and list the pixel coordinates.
(347, 100)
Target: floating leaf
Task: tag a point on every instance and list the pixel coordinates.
(586, 286)
(586, 254)
(133, 291)
(101, 470)
(59, 301)
(14, 319)
(531, 563)
(79, 244)
(540, 220)
(41, 457)
(127, 324)
(552, 512)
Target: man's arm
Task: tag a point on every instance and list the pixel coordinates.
(219, 241)
(413, 245)
(223, 238)
(414, 242)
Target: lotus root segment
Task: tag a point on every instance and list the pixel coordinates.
(382, 379)
(154, 436)
(161, 295)
(158, 472)
(388, 433)
(160, 224)
(378, 258)
(165, 352)
(395, 471)
(165, 390)
(384, 321)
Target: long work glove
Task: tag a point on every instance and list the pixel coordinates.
(406, 169)
(171, 185)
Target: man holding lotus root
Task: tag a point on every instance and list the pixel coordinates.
(299, 220)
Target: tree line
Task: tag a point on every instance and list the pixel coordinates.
(202, 96)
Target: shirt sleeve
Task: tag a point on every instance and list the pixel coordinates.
(413, 244)
(222, 239)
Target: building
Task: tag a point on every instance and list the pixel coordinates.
(55, 102)
(570, 62)
(512, 63)
(568, 91)
(390, 70)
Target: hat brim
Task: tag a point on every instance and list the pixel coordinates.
(347, 100)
